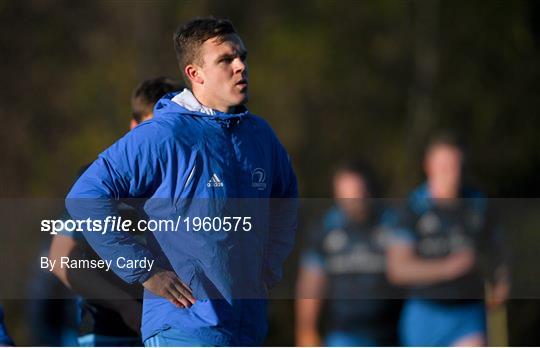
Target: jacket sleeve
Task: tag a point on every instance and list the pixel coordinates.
(283, 216)
(129, 168)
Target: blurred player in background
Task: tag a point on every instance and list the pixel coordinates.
(146, 95)
(444, 242)
(343, 270)
(49, 298)
(5, 340)
(111, 309)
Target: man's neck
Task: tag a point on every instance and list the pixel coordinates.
(437, 192)
(212, 105)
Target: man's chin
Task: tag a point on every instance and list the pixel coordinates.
(242, 99)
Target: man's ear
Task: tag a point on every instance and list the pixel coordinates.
(193, 72)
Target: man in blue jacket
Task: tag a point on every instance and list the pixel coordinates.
(207, 163)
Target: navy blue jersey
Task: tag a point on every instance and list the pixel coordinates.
(96, 318)
(439, 229)
(352, 256)
(100, 320)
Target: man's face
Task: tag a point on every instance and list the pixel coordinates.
(443, 165)
(350, 192)
(223, 75)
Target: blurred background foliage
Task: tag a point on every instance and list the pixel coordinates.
(336, 79)
(371, 79)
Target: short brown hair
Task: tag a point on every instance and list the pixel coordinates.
(189, 37)
(362, 169)
(148, 92)
(445, 138)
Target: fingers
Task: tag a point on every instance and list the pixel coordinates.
(173, 298)
(180, 293)
(181, 299)
(185, 291)
(167, 284)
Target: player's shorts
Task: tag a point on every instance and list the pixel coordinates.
(93, 340)
(172, 337)
(438, 323)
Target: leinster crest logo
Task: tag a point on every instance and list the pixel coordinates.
(258, 178)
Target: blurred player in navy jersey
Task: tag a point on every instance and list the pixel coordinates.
(111, 308)
(343, 271)
(443, 250)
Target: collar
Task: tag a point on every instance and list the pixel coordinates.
(187, 100)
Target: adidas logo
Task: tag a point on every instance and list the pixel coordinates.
(214, 181)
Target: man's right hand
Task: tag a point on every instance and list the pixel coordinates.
(167, 285)
(459, 264)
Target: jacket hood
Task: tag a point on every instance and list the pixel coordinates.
(185, 103)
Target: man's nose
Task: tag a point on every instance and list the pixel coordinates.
(239, 65)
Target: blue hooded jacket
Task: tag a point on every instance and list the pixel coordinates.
(191, 164)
